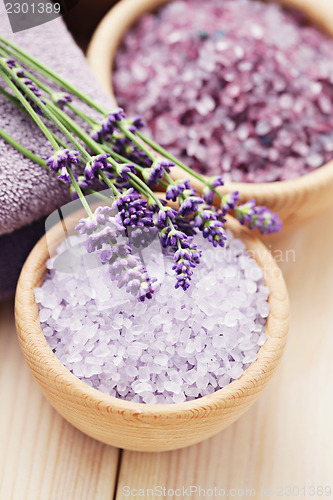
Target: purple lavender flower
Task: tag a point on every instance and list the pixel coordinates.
(11, 63)
(107, 126)
(229, 201)
(117, 114)
(153, 174)
(136, 124)
(103, 237)
(266, 221)
(102, 216)
(123, 169)
(246, 211)
(171, 235)
(176, 189)
(96, 133)
(19, 72)
(208, 191)
(164, 213)
(96, 163)
(60, 161)
(190, 204)
(61, 99)
(99, 132)
(133, 210)
(258, 217)
(211, 225)
(185, 258)
(64, 176)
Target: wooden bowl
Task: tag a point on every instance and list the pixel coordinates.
(138, 426)
(295, 200)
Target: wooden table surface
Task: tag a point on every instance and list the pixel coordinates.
(285, 440)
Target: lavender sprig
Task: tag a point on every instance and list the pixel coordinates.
(103, 232)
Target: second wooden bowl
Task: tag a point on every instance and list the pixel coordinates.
(295, 200)
(137, 426)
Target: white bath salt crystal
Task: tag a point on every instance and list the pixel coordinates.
(263, 308)
(202, 382)
(39, 293)
(208, 324)
(175, 377)
(192, 392)
(182, 314)
(207, 308)
(142, 387)
(149, 398)
(257, 31)
(190, 376)
(118, 320)
(190, 347)
(178, 398)
(161, 359)
(315, 160)
(144, 373)
(231, 319)
(253, 273)
(172, 387)
(92, 360)
(75, 357)
(118, 360)
(224, 380)
(44, 315)
(262, 339)
(102, 350)
(48, 332)
(235, 371)
(250, 356)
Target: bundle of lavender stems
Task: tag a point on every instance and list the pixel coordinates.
(111, 152)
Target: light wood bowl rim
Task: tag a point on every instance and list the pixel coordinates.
(31, 336)
(103, 46)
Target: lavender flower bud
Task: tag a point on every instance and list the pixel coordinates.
(61, 99)
(164, 213)
(123, 169)
(208, 191)
(95, 164)
(135, 124)
(185, 258)
(190, 205)
(60, 160)
(211, 226)
(258, 217)
(229, 201)
(176, 189)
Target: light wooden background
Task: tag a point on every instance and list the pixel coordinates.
(286, 439)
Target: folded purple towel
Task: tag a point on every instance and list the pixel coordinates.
(27, 191)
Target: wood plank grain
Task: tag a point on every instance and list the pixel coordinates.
(42, 457)
(287, 437)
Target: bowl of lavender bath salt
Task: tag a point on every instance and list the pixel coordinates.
(161, 373)
(239, 88)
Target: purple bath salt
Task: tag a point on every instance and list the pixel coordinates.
(175, 347)
(239, 88)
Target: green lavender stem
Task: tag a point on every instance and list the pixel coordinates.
(27, 106)
(27, 59)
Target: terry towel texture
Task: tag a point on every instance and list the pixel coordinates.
(27, 191)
